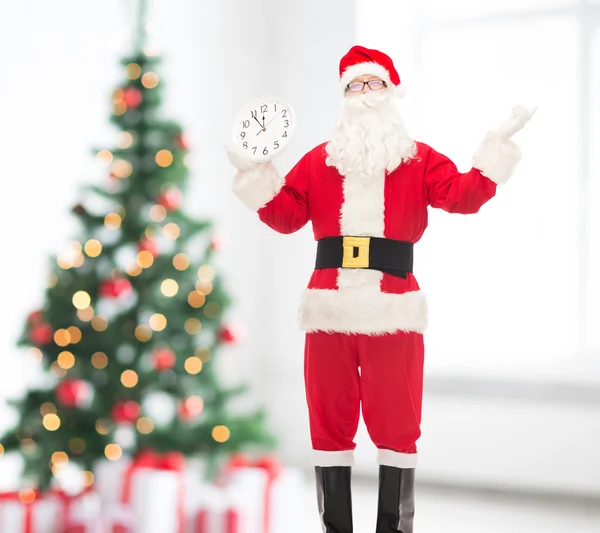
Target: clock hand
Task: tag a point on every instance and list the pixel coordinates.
(261, 126)
(273, 118)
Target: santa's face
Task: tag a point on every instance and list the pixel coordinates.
(371, 136)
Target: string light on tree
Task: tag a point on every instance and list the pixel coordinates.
(169, 288)
(99, 360)
(129, 378)
(171, 231)
(66, 360)
(124, 140)
(164, 158)
(75, 334)
(77, 445)
(133, 70)
(181, 262)
(145, 425)
(93, 248)
(150, 80)
(102, 427)
(143, 333)
(105, 157)
(62, 337)
(158, 213)
(193, 326)
(113, 452)
(122, 168)
(158, 322)
(36, 353)
(112, 221)
(193, 365)
(51, 422)
(196, 299)
(221, 433)
(85, 315)
(99, 323)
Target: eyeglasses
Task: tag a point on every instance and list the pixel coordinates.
(374, 85)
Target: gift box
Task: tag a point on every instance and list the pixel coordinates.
(219, 512)
(84, 514)
(144, 494)
(29, 512)
(264, 494)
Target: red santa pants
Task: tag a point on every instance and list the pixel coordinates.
(384, 374)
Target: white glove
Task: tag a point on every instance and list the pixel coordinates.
(518, 118)
(238, 158)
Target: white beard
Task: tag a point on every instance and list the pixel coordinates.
(371, 136)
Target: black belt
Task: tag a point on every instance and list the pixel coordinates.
(376, 253)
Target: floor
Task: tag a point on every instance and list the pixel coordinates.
(446, 511)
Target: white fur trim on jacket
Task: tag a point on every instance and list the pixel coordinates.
(323, 458)
(397, 459)
(497, 157)
(362, 310)
(257, 186)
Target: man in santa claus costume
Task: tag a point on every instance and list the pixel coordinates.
(367, 193)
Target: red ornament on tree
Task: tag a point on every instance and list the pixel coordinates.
(41, 333)
(35, 317)
(164, 359)
(170, 199)
(132, 97)
(190, 408)
(115, 288)
(72, 392)
(216, 243)
(126, 412)
(231, 334)
(181, 142)
(148, 245)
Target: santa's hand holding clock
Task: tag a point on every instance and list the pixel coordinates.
(366, 192)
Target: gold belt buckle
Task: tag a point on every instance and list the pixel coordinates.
(360, 245)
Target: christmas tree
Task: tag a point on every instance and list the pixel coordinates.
(134, 311)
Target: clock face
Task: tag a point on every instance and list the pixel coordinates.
(263, 128)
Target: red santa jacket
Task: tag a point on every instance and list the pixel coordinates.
(392, 205)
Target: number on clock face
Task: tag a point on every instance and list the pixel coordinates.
(263, 128)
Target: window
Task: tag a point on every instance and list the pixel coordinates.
(517, 286)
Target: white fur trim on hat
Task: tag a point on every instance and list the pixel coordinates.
(361, 69)
(374, 69)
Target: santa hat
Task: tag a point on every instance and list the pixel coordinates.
(360, 61)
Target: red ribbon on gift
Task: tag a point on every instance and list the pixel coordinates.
(29, 497)
(273, 469)
(149, 459)
(18, 497)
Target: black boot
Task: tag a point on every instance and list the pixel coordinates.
(334, 498)
(396, 507)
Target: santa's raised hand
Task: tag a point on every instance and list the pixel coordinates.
(519, 117)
